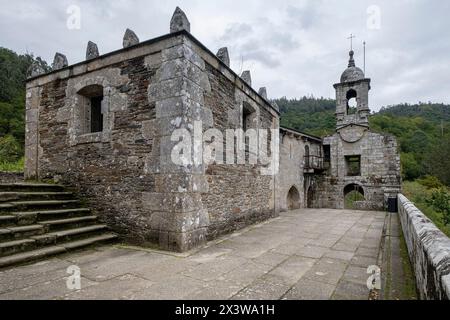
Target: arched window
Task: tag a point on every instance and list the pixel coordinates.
(352, 103)
(90, 100)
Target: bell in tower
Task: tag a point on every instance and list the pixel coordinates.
(352, 96)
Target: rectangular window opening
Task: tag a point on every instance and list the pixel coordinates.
(353, 164)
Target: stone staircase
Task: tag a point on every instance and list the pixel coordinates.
(40, 220)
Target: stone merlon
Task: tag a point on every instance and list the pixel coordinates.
(130, 39)
(59, 62)
(179, 21)
(263, 92)
(223, 56)
(91, 51)
(247, 77)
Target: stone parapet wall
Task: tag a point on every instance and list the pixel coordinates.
(429, 252)
(11, 177)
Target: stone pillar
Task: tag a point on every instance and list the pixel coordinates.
(178, 93)
(31, 169)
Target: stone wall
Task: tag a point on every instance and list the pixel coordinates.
(429, 251)
(292, 165)
(380, 168)
(126, 171)
(238, 194)
(11, 177)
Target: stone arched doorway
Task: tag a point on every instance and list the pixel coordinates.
(293, 199)
(353, 192)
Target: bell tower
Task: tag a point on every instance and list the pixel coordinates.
(352, 97)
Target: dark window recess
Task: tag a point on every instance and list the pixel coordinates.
(96, 114)
(246, 118)
(307, 159)
(327, 153)
(353, 165)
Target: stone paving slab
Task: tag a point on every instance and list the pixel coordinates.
(303, 254)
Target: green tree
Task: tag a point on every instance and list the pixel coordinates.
(438, 160)
(440, 200)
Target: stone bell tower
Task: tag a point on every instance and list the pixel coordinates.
(353, 87)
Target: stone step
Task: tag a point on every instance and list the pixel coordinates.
(17, 233)
(30, 187)
(33, 205)
(54, 225)
(31, 217)
(68, 235)
(29, 256)
(30, 196)
(39, 220)
(15, 246)
(8, 221)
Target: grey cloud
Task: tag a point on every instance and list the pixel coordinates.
(294, 47)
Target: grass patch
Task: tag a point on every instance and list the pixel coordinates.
(351, 198)
(12, 166)
(409, 290)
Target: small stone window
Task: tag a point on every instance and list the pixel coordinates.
(90, 104)
(353, 164)
(327, 153)
(248, 116)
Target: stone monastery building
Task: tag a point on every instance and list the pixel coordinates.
(104, 127)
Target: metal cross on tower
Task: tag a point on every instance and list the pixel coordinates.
(352, 36)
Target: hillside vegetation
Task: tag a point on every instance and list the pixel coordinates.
(13, 68)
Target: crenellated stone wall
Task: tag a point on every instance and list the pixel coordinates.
(429, 252)
(126, 171)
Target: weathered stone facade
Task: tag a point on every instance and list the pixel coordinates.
(124, 169)
(299, 154)
(106, 127)
(355, 157)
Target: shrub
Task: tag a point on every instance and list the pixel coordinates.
(431, 182)
(440, 200)
(10, 149)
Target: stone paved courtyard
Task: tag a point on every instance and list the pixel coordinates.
(303, 254)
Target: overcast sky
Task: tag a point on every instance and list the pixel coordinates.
(294, 48)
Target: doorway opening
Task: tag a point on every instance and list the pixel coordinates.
(353, 192)
(293, 199)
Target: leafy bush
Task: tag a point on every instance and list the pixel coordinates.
(431, 182)
(440, 200)
(12, 166)
(433, 206)
(10, 149)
